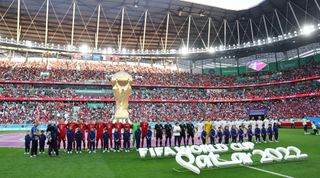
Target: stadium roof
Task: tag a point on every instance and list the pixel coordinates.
(228, 4)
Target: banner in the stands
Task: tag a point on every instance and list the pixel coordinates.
(257, 112)
(316, 120)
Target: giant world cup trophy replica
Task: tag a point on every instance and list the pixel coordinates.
(121, 87)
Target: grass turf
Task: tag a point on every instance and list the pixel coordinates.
(13, 163)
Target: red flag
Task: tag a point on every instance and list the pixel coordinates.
(115, 58)
(77, 56)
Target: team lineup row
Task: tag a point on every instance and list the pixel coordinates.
(113, 136)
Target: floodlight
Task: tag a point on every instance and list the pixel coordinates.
(109, 51)
(307, 29)
(184, 50)
(84, 48)
(211, 50)
(69, 47)
(29, 44)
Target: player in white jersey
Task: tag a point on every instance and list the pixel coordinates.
(223, 123)
(199, 128)
(238, 123)
(227, 123)
(266, 122)
(253, 124)
(273, 121)
(231, 123)
(214, 123)
(259, 123)
(246, 123)
(218, 124)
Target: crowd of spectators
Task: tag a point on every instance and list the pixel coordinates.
(75, 70)
(71, 71)
(27, 112)
(26, 90)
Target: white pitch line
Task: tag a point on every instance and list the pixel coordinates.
(266, 171)
(177, 170)
(263, 170)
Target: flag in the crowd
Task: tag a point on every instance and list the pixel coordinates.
(115, 58)
(106, 58)
(77, 56)
(257, 65)
(96, 57)
(86, 56)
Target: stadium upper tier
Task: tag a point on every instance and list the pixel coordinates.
(102, 92)
(85, 71)
(28, 112)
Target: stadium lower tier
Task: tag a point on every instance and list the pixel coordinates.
(18, 112)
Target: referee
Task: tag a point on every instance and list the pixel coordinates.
(159, 132)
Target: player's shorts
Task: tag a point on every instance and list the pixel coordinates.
(199, 134)
(143, 134)
(100, 137)
(62, 137)
(133, 135)
(191, 135)
(83, 136)
(110, 135)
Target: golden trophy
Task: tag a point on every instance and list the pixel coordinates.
(121, 87)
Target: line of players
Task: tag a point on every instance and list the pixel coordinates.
(88, 135)
(237, 131)
(108, 134)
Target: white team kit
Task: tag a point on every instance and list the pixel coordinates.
(199, 128)
(237, 123)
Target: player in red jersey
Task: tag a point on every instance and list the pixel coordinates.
(73, 126)
(126, 126)
(118, 126)
(62, 134)
(99, 127)
(109, 127)
(144, 127)
(90, 126)
(83, 126)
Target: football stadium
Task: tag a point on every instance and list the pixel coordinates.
(159, 88)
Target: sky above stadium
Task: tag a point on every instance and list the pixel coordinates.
(228, 4)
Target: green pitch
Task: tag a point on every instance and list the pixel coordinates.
(13, 163)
